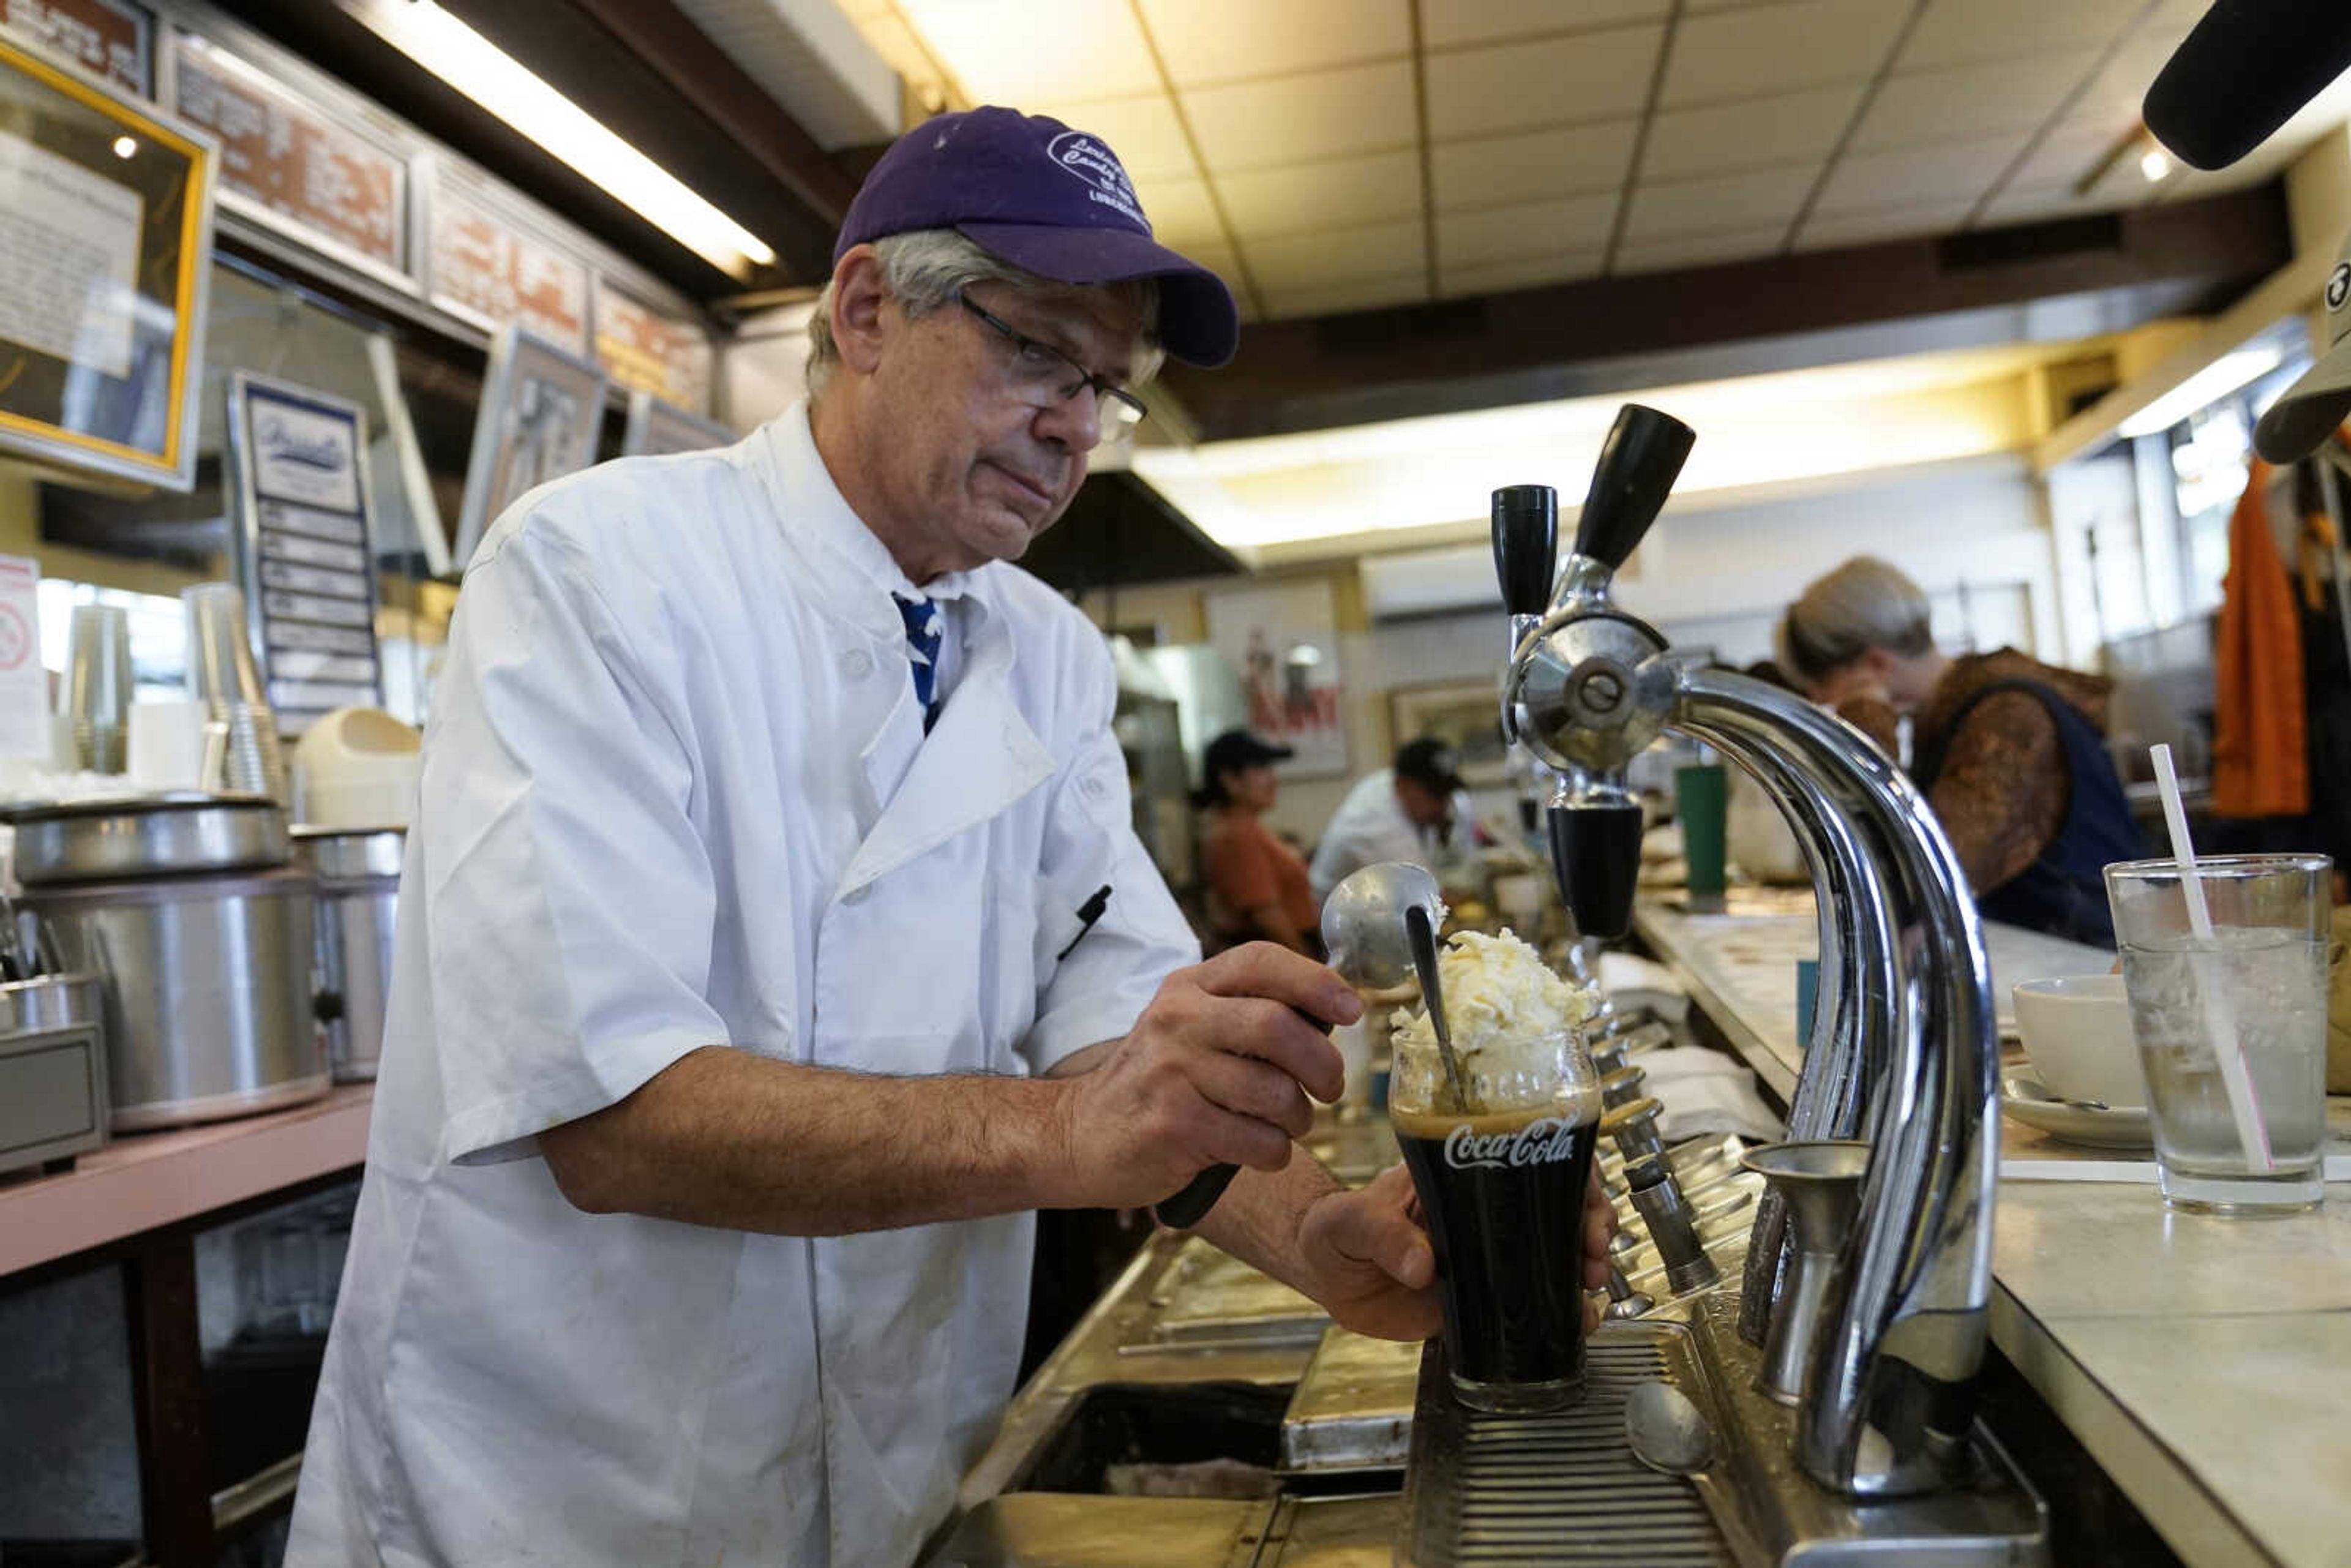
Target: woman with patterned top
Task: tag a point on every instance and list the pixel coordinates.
(2010, 751)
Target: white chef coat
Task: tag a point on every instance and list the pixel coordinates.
(676, 793)
(1370, 826)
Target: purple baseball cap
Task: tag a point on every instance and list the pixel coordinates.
(1053, 201)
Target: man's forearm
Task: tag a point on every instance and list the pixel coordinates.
(1258, 1218)
(723, 1137)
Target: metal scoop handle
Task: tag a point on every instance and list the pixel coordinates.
(1191, 1204)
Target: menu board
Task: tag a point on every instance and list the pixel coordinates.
(488, 268)
(108, 38)
(303, 553)
(308, 170)
(645, 350)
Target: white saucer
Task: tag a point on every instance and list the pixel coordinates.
(2028, 1100)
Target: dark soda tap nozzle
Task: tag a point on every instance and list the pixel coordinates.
(1596, 852)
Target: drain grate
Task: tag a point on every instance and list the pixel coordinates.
(1496, 1491)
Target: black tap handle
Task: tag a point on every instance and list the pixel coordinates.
(1526, 546)
(1596, 852)
(1638, 464)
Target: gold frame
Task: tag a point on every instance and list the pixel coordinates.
(43, 441)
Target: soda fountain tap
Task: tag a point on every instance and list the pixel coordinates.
(1902, 1044)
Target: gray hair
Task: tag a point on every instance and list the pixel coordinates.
(925, 269)
(1865, 604)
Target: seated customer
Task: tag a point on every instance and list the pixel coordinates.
(1256, 884)
(2011, 751)
(1415, 810)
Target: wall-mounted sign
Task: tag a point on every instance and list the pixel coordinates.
(111, 39)
(302, 547)
(319, 174)
(646, 350)
(493, 271)
(105, 252)
(655, 428)
(541, 409)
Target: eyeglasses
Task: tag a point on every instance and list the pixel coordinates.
(1041, 370)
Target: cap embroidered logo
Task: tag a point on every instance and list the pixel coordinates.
(1081, 156)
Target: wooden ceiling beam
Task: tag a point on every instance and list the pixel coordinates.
(2034, 282)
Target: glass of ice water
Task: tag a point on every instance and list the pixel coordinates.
(2259, 981)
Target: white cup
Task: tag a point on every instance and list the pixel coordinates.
(2077, 1034)
(167, 745)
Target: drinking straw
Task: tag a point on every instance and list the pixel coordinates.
(2228, 1045)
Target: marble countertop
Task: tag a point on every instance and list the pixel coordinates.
(2205, 1364)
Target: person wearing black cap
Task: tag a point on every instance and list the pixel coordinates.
(1415, 810)
(775, 939)
(1256, 888)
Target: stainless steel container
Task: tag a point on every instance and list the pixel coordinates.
(359, 900)
(148, 835)
(52, 1071)
(207, 991)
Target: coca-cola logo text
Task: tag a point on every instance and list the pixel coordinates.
(1539, 1142)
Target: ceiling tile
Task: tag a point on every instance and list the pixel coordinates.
(1027, 51)
(1180, 211)
(1447, 24)
(1777, 48)
(1526, 272)
(1958, 173)
(1928, 107)
(2071, 150)
(1373, 294)
(1958, 32)
(1339, 193)
(1297, 120)
(1293, 262)
(1143, 131)
(1220, 40)
(1700, 250)
(2036, 203)
(1494, 170)
(1791, 127)
(1538, 228)
(1516, 87)
(1671, 209)
(1908, 221)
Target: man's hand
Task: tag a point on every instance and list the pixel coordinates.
(1368, 1260)
(1216, 1071)
(1371, 1268)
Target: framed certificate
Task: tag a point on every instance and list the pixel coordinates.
(541, 409)
(304, 546)
(106, 228)
(656, 427)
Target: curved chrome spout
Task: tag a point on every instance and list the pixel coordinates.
(1888, 1404)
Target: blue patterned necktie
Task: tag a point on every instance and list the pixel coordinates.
(925, 625)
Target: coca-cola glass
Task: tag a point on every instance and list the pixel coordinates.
(1501, 1180)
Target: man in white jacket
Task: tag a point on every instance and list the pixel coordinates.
(1415, 810)
(744, 1007)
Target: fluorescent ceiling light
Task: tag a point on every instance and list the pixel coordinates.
(2213, 382)
(503, 84)
(2156, 164)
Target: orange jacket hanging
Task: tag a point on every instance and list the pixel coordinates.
(2261, 761)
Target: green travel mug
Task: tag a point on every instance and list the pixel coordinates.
(1702, 804)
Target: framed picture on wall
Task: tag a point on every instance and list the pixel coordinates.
(1282, 639)
(656, 428)
(105, 226)
(1465, 714)
(541, 409)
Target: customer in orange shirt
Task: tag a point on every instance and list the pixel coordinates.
(1256, 886)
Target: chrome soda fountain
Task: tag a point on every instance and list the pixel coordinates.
(1902, 1047)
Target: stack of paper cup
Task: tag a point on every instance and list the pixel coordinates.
(167, 745)
(98, 686)
(223, 676)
